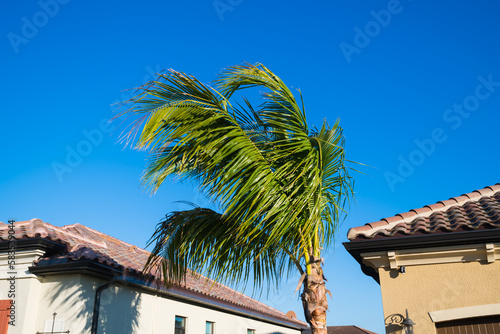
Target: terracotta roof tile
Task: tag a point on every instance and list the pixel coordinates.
(448, 202)
(436, 206)
(407, 215)
(473, 195)
(421, 211)
(461, 199)
(485, 191)
(366, 227)
(391, 220)
(494, 188)
(377, 224)
(84, 243)
(479, 209)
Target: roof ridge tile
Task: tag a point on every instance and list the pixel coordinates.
(442, 212)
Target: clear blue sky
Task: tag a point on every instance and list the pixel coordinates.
(416, 85)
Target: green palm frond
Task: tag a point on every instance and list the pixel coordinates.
(204, 241)
(281, 185)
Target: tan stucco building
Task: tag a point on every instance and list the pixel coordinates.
(440, 262)
(76, 279)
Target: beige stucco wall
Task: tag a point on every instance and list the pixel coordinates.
(434, 287)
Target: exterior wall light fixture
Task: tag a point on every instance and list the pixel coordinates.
(408, 324)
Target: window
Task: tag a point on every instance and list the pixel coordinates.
(180, 325)
(250, 331)
(489, 324)
(209, 327)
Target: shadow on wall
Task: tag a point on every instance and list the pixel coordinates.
(72, 298)
(393, 324)
(393, 329)
(119, 310)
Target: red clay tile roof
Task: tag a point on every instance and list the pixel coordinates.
(84, 243)
(478, 210)
(344, 330)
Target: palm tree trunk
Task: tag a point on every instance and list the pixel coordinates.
(314, 300)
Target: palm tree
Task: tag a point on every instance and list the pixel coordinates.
(281, 185)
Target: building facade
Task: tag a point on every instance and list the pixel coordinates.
(440, 262)
(74, 279)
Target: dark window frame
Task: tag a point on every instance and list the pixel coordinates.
(180, 330)
(212, 327)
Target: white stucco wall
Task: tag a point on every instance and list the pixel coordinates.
(71, 297)
(124, 309)
(26, 290)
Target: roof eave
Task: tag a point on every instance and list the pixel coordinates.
(50, 247)
(84, 267)
(356, 247)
